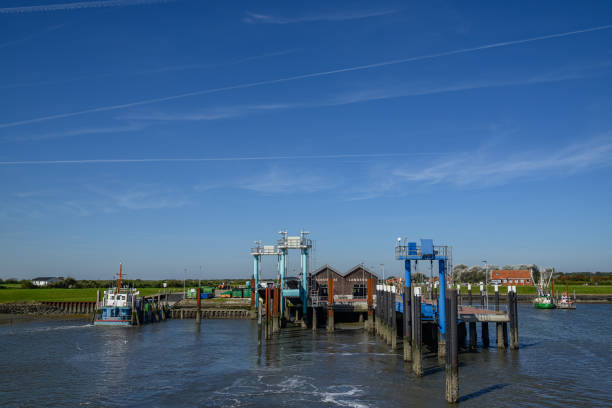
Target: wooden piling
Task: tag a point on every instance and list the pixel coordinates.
(417, 339)
(499, 328)
(407, 323)
(314, 319)
(452, 349)
(370, 321)
(512, 316)
(470, 294)
(276, 310)
(473, 335)
(516, 325)
(330, 305)
(267, 320)
(484, 326)
(253, 290)
(198, 305)
(259, 322)
(393, 319)
(389, 315)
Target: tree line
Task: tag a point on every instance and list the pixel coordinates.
(71, 283)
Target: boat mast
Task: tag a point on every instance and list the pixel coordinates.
(120, 277)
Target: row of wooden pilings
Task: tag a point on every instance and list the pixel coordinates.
(386, 327)
(268, 314)
(73, 307)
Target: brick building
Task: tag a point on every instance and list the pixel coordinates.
(511, 277)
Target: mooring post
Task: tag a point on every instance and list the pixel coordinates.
(417, 338)
(252, 294)
(314, 318)
(407, 323)
(370, 321)
(267, 319)
(377, 311)
(259, 323)
(389, 315)
(516, 325)
(499, 326)
(470, 294)
(459, 298)
(393, 320)
(383, 315)
(330, 305)
(198, 305)
(452, 350)
(275, 311)
(484, 326)
(512, 315)
(473, 335)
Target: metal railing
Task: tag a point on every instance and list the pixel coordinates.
(402, 251)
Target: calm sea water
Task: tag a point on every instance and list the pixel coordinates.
(565, 360)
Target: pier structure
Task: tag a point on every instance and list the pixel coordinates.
(295, 290)
(399, 311)
(410, 251)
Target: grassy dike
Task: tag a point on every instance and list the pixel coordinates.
(19, 295)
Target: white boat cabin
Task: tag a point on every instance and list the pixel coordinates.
(113, 299)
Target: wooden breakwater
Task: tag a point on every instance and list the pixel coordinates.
(48, 308)
(73, 307)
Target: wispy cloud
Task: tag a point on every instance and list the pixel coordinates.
(131, 127)
(254, 18)
(148, 199)
(341, 156)
(396, 90)
(483, 168)
(300, 77)
(77, 6)
(285, 180)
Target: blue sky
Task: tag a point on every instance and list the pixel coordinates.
(172, 134)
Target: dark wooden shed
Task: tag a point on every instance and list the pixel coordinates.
(320, 278)
(356, 281)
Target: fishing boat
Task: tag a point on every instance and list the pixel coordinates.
(117, 305)
(566, 301)
(544, 300)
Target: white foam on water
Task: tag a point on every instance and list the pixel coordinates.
(340, 397)
(45, 329)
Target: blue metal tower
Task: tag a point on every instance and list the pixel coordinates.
(410, 251)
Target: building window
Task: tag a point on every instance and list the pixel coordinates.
(359, 290)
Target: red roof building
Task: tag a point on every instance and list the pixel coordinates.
(509, 277)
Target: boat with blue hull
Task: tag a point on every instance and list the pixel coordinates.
(118, 306)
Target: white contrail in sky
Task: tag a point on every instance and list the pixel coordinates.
(219, 159)
(304, 76)
(77, 6)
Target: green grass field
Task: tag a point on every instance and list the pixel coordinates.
(15, 295)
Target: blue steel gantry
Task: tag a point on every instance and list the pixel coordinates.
(281, 250)
(427, 251)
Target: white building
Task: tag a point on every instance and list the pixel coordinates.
(45, 281)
